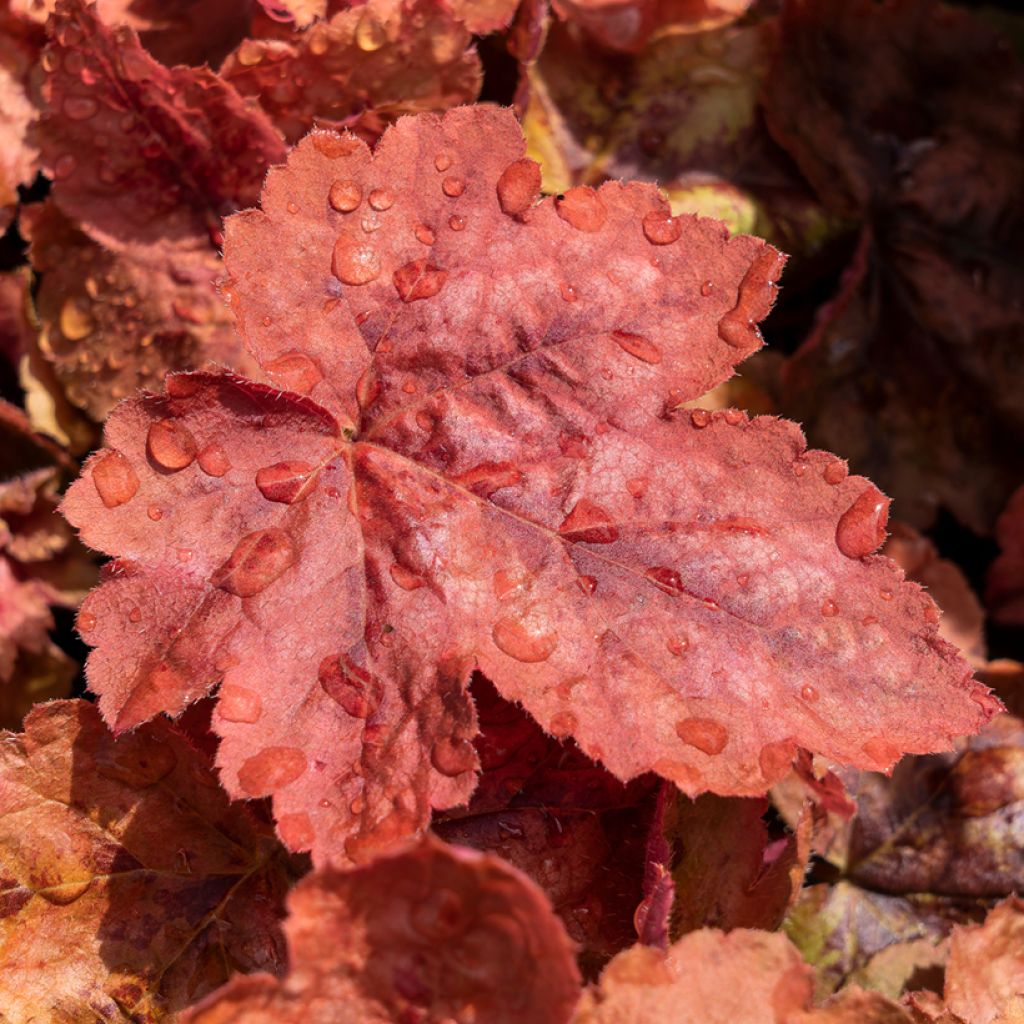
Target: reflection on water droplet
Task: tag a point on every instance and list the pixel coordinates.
(64, 893)
(829, 608)
(258, 560)
(456, 223)
(155, 512)
(381, 199)
(424, 235)
(665, 579)
(345, 195)
(86, 622)
(588, 584)
(700, 418)
(589, 523)
(809, 693)
(707, 288)
(354, 263)
(835, 472)
(135, 614)
(114, 479)
(442, 161)
(661, 228)
(526, 638)
(568, 292)
(271, 770)
(677, 645)
(453, 187)
(861, 528)
(170, 445)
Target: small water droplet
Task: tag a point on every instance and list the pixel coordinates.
(869, 620)
(345, 195)
(292, 207)
(271, 770)
(931, 613)
(170, 445)
(86, 622)
(700, 418)
(518, 187)
(886, 594)
(135, 614)
(114, 479)
(677, 645)
(258, 559)
(406, 578)
(213, 460)
(334, 146)
(350, 686)
(809, 693)
(381, 199)
(354, 263)
(563, 724)
(239, 704)
(524, 638)
(442, 161)
(581, 208)
(155, 512)
(294, 371)
(418, 279)
(588, 584)
(705, 734)
(861, 528)
(453, 187)
(63, 894)
(637, 486)
(80, 108)
(424, 235)
(829, 608)
(568, 292)
(64, 166)
(661, 228)
(409, 387)
(734, 417)
(370, 34)
(835, 472)
(667, 580)
(707, 288)
(452, 756)
(185, 554)
(456, 223)
(284, 482)
(589, 523)
(637, 346)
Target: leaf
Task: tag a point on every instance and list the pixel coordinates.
(493, 478)
(1005, 591)
(362, 68)
(855, 1006)
(302, 12)
(433, 933)
(129, 852)
(18, 110)
(707, 976)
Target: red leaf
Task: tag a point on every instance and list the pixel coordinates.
(1005, 591)
(435, 933)
(392, 578)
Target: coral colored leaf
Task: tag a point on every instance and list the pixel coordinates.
(362, 68)
(434, 933)
(143, 155)
(129, 886)
(18, 110)
(708, 976)
(1005, 590)
(483, 16)
(494, 477)
(855, 1006)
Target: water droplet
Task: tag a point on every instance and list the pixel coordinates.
(284, 482)
(76, 322)
(638, 346)
(213, 460)
(442, 161)
(296, 830)
(135, 614)
(775, 759)
(155, 512)
(368, 388)
(350, 686)
(292, 207)
(354, 263)
(294, 371)
(734, 417)
(588, 584)
(525, 638)
(666, 580)
(259, 558)
(456, 223)
(705, 734)
(700, 418)
(829, 608)
(677, 645)
(568, 292)
(518, 187)
(64, 166)
(756, 294)
(418, 279)
(114, 479)
(581, 208)
(835, 472)
(239, 704)
(370, 34)
(869, 620)
(409, 387)
(345, 195)
(406, 578)
(661, 228)
(589, 523)
(64, 893)
(381, 199)
(424, 235)
(453, 187)
(886, 594)
(707, 288)
(86, 622)
(170, 445)
(334, 146)
(809, 693)
(185, 554)
(452, 756)
(271, 769)
(881, 751)
(931, 612)
(861, 528)
(637, 486)
(507, 581)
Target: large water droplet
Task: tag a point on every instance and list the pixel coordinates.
(406, 578)
(65, 893)
(284, 482)
(114, 479)
(581, 207)
(665, 579)
(757, 291)
(835, 472)
(456, 223)
(294, 371)
(442, 161)
(213, 460)
(170, 445)
(589, 523)
(354, 263)
(453, 187)
(638, 346)
(381, 199)
(861, 528)
(345, 195)
(518, 187)
(271, 769)
(418, 279)
(334, 146)
(452, 756)
(239, 704)
(705, 734)
(775, 759)
(661, 228)
(296, 830)
(424, 235)
(259, 558)
(76, 321)
(525, 638)
(350, 686)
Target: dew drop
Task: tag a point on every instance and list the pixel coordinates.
(524, 640)
(869, 620)
(563, 724)
(334, 146)
(258, 560)
(284, 482)
(292, 207)
(829, 608)
(65, 893)
(170, 445)
(155, 512)
(734, 417)
(370, 34)
(114, 479)
(354, 263)
(64, 166)
(581, 208)
(418, 279)
(518, 187)
(409, 387)
(835, 472)
(588, 584)
(568, 292)
(637, 346)
(381, 199)
(75, 321)
(135, 614)
(239, 704)
(637, 486)
(931, 613)
(406, 578)
(861, 528)
(661, 228)
(677, 645)
(456, 223)
(707, 288)
(350, 686)
(296, 830)
(213, 460)
(775, 759)
(589, 523)
(705, 734)
(809, 693)
(452, 756)
(185, 554)
(667, 580)
(271, 769)
(368, 388)
(294, 371)
(424, 235)
(345, 195)
(442, 161)
(453, 187)
(886, 594)
(700, 418)
(86, 622)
